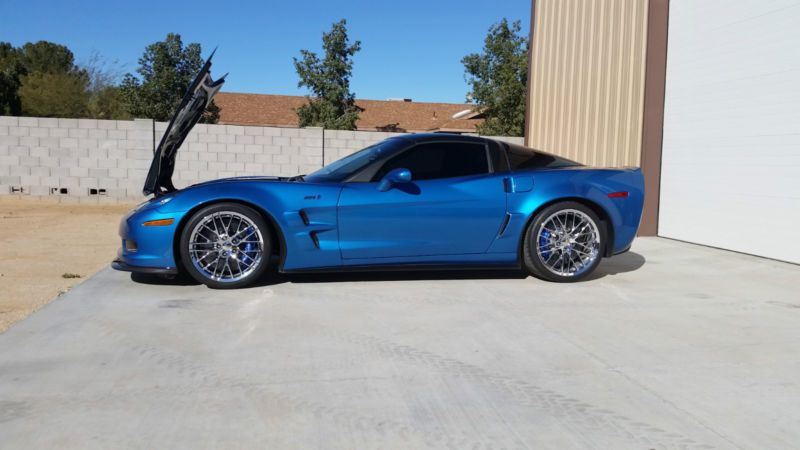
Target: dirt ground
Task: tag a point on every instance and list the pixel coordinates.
(44, 244)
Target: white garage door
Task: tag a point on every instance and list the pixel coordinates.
(730, 174)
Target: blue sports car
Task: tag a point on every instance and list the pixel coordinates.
(411, 201)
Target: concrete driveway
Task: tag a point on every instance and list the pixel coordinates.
(669, 346)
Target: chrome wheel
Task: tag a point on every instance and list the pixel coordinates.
(568, 242)
(226, 246)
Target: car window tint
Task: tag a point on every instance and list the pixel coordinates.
(439, 160)
(498, 155)
(521, 158)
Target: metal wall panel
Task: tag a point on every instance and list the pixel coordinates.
(731, 150)
(587, 80)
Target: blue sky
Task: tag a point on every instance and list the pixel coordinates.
(410, 48)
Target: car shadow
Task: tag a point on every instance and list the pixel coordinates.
(626, 262)
(163, 280)
(393, 275)
(623, 263)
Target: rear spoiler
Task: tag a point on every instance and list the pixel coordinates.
(189, 112)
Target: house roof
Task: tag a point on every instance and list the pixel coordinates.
(279, 111)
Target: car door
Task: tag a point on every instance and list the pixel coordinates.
(453, 205)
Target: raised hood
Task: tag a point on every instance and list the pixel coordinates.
(189, 112)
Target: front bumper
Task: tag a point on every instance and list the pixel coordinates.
(118, 264)
(147, 249)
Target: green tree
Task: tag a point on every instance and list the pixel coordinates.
(11, 69)
(332, 105)
(47, 57)
(166, 70)
(497, 79)
(42, 79)
(46, 94)
(44, 66)
(52, 85)
(105, 96)
(107, 103)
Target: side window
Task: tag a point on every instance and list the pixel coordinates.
(439, 160)
(521, 158)
(498, 156)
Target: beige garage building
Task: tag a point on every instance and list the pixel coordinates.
(703, 95)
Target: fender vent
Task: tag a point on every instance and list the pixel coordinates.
(504, 225)
(304, 217)
(314, 238)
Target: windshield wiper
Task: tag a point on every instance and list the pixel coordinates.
(297, 178)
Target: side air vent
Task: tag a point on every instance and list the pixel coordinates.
(504, 225)
(304, 216)
(314, 238)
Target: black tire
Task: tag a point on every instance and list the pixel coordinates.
(229, 249)
(534, 262)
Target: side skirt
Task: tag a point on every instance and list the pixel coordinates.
(407, 267)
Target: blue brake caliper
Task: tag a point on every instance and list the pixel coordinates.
(249, 247)
(544, 244)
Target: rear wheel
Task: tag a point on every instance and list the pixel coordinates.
(226, 245)
(564, 242)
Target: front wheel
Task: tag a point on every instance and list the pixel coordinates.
(564, 242)
(226, 245)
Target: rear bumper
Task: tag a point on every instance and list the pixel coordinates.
(118, 264)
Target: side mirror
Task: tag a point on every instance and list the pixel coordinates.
(395, 176)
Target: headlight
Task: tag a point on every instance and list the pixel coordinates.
(153, 203)
(140, 205)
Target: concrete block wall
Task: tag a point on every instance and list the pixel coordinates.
(340, 143)
(91, 160)
(73, 155)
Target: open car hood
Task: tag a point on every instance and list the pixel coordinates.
(189, 112)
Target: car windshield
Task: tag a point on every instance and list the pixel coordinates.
(350, 165)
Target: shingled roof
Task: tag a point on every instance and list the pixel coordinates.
(381, 115)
